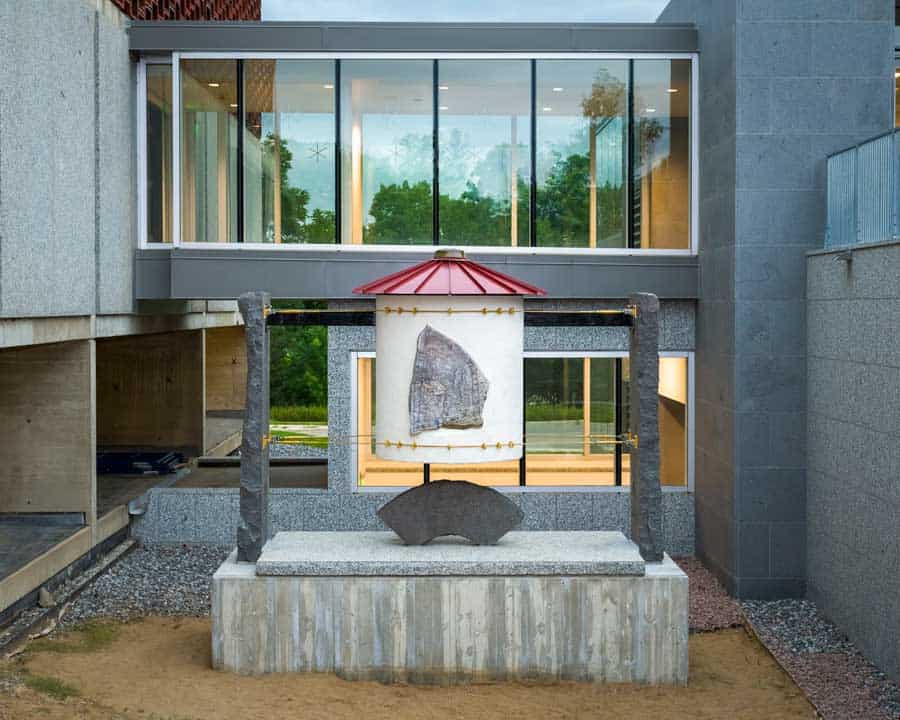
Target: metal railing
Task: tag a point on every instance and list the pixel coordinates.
(863, 191)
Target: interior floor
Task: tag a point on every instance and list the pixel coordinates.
(24, 537)
(280, 476)
(115, 490)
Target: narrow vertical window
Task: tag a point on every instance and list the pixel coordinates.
(386, 147)
(210, 122)
(661, 162)
(159, 153)
(289, 144)
(484, 115)
(582, 126)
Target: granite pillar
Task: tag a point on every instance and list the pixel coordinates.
(646, 495)
(253, 526)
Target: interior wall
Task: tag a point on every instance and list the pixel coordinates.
(47, 439)
(150, 391)
(226, 369)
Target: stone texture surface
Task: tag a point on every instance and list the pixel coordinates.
(447, 388)
(646, 494)
(253, 527)
(383, 553)
(195, 515)
(853, 443)
(783, 83)
(454, 629)
(444, 507)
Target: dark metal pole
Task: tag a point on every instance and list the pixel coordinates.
(522, 460)
(337, 152)
(435, 170)
(532, 201)
(617, 389)
(241, 117)
(426, 473)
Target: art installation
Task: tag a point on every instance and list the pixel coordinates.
(447, 389)
(451, 507)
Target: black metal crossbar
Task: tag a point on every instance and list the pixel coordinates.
(544, 318)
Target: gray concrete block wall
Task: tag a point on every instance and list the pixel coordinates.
(783, 83)
(853, 429)
(66, 160)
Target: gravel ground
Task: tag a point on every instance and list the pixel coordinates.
(151, 580)
(836, 677)
(710, 607)
(277, 449)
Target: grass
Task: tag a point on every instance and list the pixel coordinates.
(302, 438)
(52, 687)
(298, 414)
(541, 412)
(90, 637)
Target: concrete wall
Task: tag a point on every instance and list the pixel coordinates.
(150, 391)
(226, 369)
(66, 159)
(47, 440)
(783, 83)
(853, 430)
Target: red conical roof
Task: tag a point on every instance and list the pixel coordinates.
(449, 272)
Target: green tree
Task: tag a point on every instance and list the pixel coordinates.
(401, 215)
(298, 366)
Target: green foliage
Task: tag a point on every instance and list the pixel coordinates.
(401, 215)
(90, 637)
(543, 412)
(309, 414)
(52, 687)
(298, 366)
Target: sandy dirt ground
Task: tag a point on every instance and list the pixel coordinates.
(159, 669)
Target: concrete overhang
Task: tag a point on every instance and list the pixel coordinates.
(331, 274)
(338, 37)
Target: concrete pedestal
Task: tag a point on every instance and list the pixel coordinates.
(561, 605)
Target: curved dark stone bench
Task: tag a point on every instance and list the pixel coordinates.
(451, 507)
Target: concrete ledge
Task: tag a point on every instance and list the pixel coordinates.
(453, 629)
(383, 553)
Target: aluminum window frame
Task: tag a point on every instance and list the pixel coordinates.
(690, 439)
(424, 251)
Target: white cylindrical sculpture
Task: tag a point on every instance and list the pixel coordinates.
(486, 328)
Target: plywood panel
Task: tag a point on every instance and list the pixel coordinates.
(150, 391)
(46, 428)
(226, 369)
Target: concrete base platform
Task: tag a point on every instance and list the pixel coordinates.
(498, 622)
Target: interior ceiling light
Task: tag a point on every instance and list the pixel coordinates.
(672, 90)
(443, 87)
(557, 89)
(328, 86)
(234, 105)
(213, 84)
(649, 110)
(897, 73)
(443, 107)
(547, 108)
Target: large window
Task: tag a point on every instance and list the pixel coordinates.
(484, 131)
(582, 151)
(386, 142)
(289, 170)
(575, 409)
(549, 153)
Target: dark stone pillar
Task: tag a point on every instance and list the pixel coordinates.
(253, 526)
(646, 495)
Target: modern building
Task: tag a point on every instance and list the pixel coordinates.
(182, 163)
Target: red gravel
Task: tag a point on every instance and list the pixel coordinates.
(711, 608)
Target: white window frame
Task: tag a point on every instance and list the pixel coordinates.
(420, 250)
(690, 420)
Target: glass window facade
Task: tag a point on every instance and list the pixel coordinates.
(210, 123)
(553, 153)
(484, 156)
(575, 409)
(387, 163)
(158, 111)
(582, 153)
(288, 149)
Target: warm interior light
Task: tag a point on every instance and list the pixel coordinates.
(897, 73)
(234, 105)
(213, 84)
(328, 86)
(557, 89)
(672, 90)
